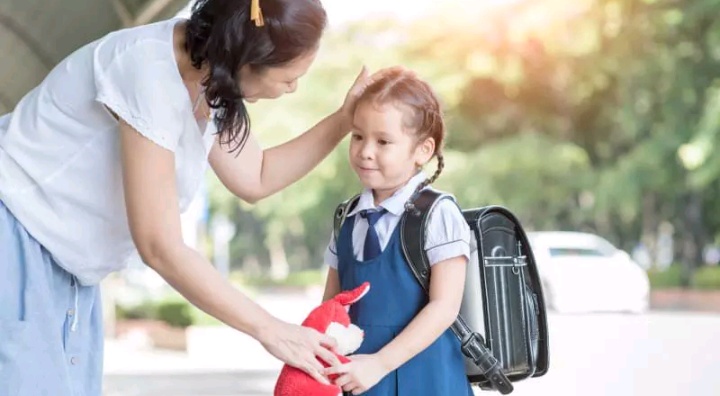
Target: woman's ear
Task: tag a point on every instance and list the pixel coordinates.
(424, 151)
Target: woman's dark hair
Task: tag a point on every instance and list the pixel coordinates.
(423, 113)
(221, 34)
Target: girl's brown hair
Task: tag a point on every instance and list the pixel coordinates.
(423, 116)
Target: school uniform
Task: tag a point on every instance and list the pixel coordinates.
(63, 222)
(395, 296)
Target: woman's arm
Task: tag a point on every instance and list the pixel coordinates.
(332, 284)
(447, 283)
(255, 173)
(154, 219)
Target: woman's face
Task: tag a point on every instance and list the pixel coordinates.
(274, 82)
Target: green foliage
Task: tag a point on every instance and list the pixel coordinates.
(669, 278)
(707, 278)
(145, 310)
(174, 310)
(175, 313)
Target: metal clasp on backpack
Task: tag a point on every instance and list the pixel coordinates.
(473, 346)
(340, 212)
(411, 208)
(508, 261)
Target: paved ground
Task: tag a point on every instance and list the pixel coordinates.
(659, 354)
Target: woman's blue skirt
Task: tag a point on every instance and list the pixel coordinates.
(51, 333)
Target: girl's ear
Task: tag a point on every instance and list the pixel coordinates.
(424, 151)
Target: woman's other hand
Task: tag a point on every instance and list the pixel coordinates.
(300, 347)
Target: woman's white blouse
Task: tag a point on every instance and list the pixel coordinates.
(60, 166)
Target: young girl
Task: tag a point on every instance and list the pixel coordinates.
(408, 347)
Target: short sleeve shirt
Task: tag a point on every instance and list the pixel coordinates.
(60, 169)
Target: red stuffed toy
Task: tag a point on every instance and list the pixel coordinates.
(331, 318)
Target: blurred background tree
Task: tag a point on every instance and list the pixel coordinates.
(593, 115)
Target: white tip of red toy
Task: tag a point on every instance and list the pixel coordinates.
(351, 296)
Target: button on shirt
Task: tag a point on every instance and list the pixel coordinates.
(448, 234)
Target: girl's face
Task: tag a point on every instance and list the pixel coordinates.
(383, 153)
(274, 82)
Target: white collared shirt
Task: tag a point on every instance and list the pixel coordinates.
(448, 234)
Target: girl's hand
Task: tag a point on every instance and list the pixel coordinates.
(361, 374)
(363, 80)
(300, 347)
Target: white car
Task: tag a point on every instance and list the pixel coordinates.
(583, 272)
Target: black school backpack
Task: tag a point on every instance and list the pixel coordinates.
(502, 326)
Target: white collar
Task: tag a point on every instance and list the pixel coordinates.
(395, 204)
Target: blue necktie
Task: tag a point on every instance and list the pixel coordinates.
(372, 242)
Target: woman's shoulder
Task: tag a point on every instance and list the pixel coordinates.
(137, 77)
(137, 45)
(138, 65)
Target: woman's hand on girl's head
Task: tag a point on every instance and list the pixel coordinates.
(361, 374)
(300, 347)
(362, 82)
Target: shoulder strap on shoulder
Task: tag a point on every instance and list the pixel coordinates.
(341, 214)
(413, 227)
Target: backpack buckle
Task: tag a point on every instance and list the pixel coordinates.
(411, 208)
(473, 346)
(340, 212)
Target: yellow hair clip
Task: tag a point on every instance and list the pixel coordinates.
(256, 13)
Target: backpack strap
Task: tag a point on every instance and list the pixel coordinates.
(413, 231)
(341, 214)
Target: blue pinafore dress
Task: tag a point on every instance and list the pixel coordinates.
(395, 297)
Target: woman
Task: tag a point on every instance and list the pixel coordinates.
(99, 160)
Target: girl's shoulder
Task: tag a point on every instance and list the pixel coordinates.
(447, 213)
(446, 205)
(447, 233)
(445, 219)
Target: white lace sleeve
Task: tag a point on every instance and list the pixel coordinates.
(138, 83)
